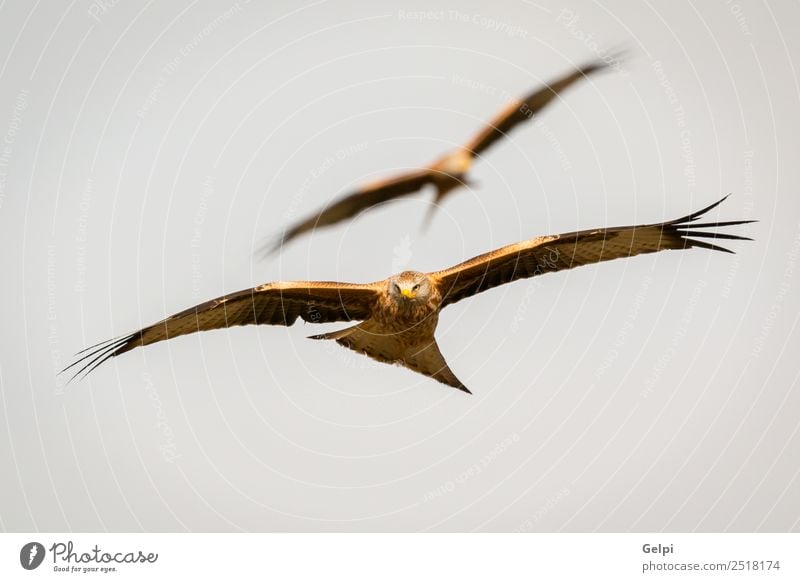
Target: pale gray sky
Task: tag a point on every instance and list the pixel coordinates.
(149, 149)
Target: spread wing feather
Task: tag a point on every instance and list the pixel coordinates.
(566, 251)
(524, 109)
(352, 204)
(271, 304)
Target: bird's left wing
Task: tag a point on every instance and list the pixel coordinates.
(352, 204)
(271, 304)
(524, 109)
(564, 251)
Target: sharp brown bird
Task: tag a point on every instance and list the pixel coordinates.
(398, 315)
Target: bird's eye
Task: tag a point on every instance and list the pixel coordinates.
(415, 287)
(396, 287)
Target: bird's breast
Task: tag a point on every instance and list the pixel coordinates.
(455, 164)
(409, 316)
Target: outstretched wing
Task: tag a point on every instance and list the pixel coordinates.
(348, 206)
(525, 108)
(564, 251)
(270, 304)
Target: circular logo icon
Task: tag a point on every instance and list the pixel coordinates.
(31, 555)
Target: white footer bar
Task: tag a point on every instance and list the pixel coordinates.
(388, 557)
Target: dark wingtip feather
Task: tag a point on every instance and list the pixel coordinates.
(686, 228)
(277, 242)
(99, 353)
(725, 223)
(610, 59)
(271, 246)
(703, 234)
(706, 245)
(697, 214)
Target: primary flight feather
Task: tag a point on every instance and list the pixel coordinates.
(448, 172)
(399, 314)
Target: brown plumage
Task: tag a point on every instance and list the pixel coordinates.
(448, 172)
(399, 315)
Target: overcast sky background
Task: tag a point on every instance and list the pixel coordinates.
(148, 149)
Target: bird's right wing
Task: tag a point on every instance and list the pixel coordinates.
(524, 109)
(350, 205)
(558, 252)
(271, 304)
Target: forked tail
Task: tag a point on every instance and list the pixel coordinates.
(420, 355)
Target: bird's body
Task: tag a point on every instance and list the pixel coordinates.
(454, 165)
(398, 315)
(402, 329)
(448, 172)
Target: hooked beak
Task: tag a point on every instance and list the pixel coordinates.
(408, 293)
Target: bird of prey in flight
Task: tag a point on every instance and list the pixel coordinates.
(448, 172)
(398, 315)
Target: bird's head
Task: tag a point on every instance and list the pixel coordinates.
(410, 286)
(455, 164)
